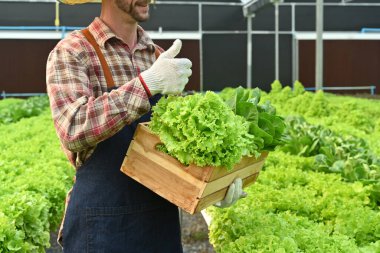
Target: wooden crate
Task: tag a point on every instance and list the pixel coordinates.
(191, 188)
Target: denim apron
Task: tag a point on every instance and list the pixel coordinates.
(109, 212)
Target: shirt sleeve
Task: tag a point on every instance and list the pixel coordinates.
(81, 119)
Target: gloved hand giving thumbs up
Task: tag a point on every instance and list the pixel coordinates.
(168, 75)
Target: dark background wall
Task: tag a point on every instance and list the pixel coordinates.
(23, 65)
(223, 49)
(359, 67)
(24, 71)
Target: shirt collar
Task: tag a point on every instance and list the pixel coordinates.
(102, 33)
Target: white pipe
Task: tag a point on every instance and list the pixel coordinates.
(319, 46)
(294, 62)
(200, 30)
(249, 50)
(277, 48)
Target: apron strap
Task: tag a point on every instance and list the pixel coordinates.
(106, 69)
(157, 52)
(103, 62)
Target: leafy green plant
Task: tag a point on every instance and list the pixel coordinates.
(201, 129)
(34, 179)
(266, 127)
(207, 129)
(16, 109)
(348, 115)
(319, 194)
(28, 212)
(349, 156)
(291, 209)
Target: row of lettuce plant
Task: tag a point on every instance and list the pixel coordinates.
(342, 114)
(344, 134)
(34, 179)
(13, 110)
(295, 206)
(294, 209)
(350, 156)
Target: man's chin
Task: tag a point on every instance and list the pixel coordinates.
(142, 18)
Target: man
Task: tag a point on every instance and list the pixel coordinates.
(102, 82)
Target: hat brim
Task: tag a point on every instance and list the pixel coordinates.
(72, 2)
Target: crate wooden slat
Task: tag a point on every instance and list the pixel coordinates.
(191, 188)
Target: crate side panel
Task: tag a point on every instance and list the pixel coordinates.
(162, 181)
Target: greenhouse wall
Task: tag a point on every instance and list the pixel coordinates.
(219, 53)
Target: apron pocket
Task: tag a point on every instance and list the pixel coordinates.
(73, 233)
(133, 230)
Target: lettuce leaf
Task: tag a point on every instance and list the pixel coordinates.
(202, 129)
(266, 127)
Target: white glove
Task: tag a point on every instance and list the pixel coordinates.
(234, 193)
(168, 75)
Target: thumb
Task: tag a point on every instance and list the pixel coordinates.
(173, 50)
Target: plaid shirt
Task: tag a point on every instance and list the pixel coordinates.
(84, 113)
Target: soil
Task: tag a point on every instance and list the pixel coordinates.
(194, 236)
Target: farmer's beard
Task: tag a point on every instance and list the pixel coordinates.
(138, 10)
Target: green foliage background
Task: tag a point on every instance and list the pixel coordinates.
(302, 203)
(34, 177)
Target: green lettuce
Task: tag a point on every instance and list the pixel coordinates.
(266, 127)
(202, 129)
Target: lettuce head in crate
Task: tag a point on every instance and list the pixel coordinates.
(203, 129)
